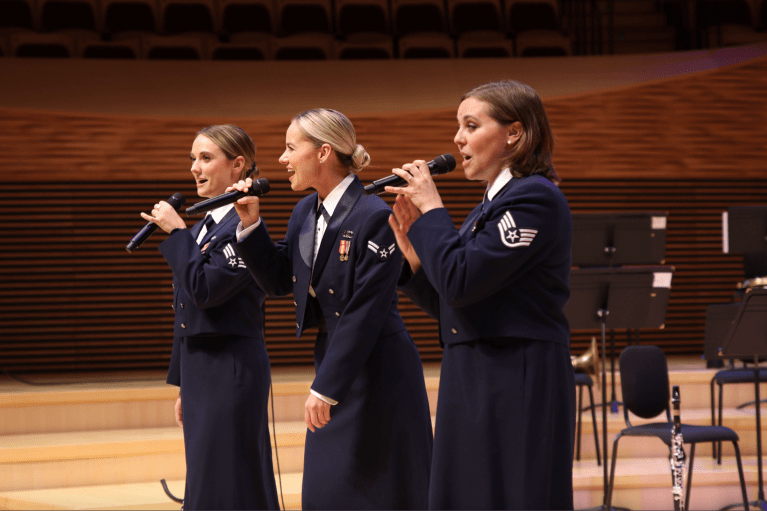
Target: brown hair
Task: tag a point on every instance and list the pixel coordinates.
(510, 101)
(234, 142)
(326, 126)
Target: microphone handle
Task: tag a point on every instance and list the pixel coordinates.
(259, 188)
(436, 167)
(176, 201)
(214, 202)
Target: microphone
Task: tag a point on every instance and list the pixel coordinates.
(439, 165)
(259, 187)
(176, 200)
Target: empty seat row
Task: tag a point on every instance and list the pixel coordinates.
(282, 17)
(259, 46)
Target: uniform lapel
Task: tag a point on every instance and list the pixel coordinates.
(344, 207)
(306, 235)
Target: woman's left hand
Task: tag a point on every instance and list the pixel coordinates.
(420, 188)
(165, 217)
(316, 412)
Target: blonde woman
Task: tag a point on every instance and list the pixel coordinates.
(369, 438)
(219, 360)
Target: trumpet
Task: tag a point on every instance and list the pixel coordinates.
(588, 362)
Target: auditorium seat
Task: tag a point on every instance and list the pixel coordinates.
(410, 16)
(296, 16)
(304, 46)
(469, 15)
(34, 44)
(353, 16)
(485, 43)
(175, 47)
(17, 13)
(254, 49)
(64, 14)
(129, 15)
(180, 16)
(522, 15)
(426, 45)
(727, 23)
(123, 49)
(246, 16)
(365, 45)
(542, 43)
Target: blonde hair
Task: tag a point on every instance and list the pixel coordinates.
(510, 101)
(326, 126)
(234, 142)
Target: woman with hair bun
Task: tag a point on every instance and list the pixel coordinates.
(369, 438)
(219, 361)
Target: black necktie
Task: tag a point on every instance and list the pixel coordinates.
(208, 224)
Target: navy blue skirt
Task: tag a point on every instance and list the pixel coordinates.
(224, 396)
(505, 427)
(375, 453)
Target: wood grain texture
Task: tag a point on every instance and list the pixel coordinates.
(72, 298)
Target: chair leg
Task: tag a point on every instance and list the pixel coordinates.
(740, 473)
(689, 477)
(578, 434)
(594, 423)
(609, 497)
(713, 420)
(719, 444)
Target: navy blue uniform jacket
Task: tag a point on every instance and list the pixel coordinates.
(220, 362)
(522, 242)
(375, 453)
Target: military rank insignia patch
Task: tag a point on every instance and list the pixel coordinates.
(343, 249)
(232, 258)
(382, 252)
(513, 237)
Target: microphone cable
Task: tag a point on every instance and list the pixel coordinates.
(271, 397)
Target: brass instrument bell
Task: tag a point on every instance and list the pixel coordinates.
(588, 362)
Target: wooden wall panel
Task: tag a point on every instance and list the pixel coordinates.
(72, 298)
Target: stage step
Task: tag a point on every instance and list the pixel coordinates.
(640, 483)
(92, 402)
(91, 436)
(149, 495)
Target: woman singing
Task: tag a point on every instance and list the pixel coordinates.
(219, 360)
(498, 287)
(369, 438)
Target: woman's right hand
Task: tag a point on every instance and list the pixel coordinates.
(177, 410)
(247, 207)
(405, 213)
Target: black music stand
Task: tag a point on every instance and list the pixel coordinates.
(626, 297)
(747, 338)
(617, 239)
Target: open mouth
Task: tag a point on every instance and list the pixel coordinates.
(201, 182)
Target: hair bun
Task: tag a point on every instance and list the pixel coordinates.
(360, 158)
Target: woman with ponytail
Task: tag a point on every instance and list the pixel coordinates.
(369, 438)
(219, 361)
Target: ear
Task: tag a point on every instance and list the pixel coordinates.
(325, 152)
(514, 133)
(238, 164)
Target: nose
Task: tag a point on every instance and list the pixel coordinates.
(195, 167)
(458, 139)
(283, 158)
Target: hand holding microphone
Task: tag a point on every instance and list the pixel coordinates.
(255, 188)
(420, 187)
(439, 165)
(175, 201)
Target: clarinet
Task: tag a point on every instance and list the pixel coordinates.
(676, 456)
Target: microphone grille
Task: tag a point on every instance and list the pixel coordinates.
(177, 200)
(263, 185)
